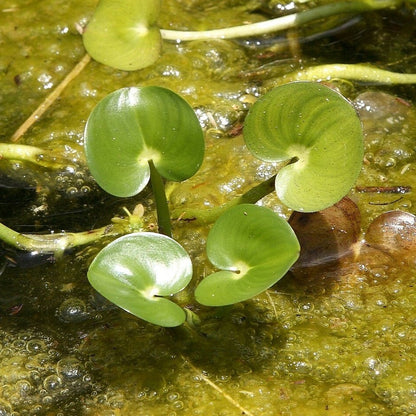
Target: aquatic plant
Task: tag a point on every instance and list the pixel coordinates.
(253, 248)
(32, 154)
(347, 285)
(310, 126)
(137, 134)
(129, 31)
(132, 39)
(133, 133)
(125, 35)
(138, 271)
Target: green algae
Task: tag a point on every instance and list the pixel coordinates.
(338, 343)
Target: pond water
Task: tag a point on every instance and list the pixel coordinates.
(333, 339)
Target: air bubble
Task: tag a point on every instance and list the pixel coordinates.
(43, 393)
(223, 378)
(19, 344)
(6, 352)
(101, 399)
(14, 401)
(72, 310)
(141, 395)
(69, 369)
(116, 401)
(306, 307)
(24, 387)
(87, 378)
(52, 383)
(406, 204)
(72, 191)
(177, 405)
(382, 392)
(302, 367)
(173, 396)
(54, 354)
(5, 408)
(35, 377)
(35, 345)
(47, 400)
(36, 410)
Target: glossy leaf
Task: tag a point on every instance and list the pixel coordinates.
(253, 247)
(317, 128)
(132, 126)
(123, 33)
(137, 270)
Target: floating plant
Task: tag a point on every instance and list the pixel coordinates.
(317, 132)
(137, 272)
(253, 248)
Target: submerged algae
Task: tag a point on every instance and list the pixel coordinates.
(337, 345)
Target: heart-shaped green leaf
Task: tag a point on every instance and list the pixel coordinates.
(254, 247)
(314, 125)
(123, 33)
(136, 270)
(132, 126)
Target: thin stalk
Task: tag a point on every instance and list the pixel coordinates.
(280, 23)
(253, 195)
(57, 243)
(51, 98)
(207, 216)
(31, 154)
(52, 243)
(242, 410)
(158, 188)
(356, 72)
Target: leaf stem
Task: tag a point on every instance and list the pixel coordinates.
(31, 154)
(206, 216)
(280, 23)
(163, 214)
(356, 72)
(51, 243)
(57, 243)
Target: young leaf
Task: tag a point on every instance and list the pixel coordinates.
(133, 126)
(123, 33)
(316, 128)
(253, 247)
(136, 270)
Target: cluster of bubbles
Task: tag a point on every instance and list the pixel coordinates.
(72, 310)
(35, 376)
(74, 182)
(390, 124)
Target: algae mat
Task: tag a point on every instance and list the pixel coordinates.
(335, 339)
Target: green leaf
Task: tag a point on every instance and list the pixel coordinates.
(136, 270)
(314, 125)
(132, 126)
(254, 247)
(123, 33)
